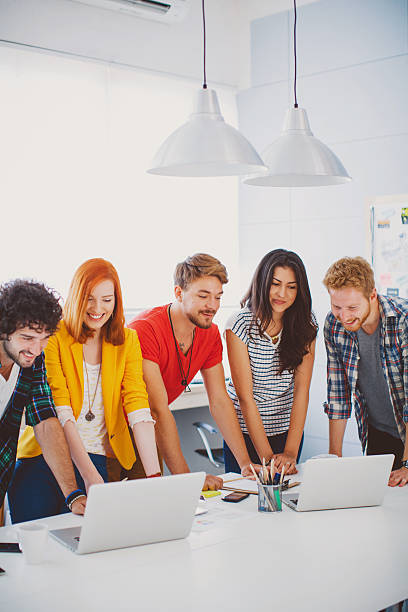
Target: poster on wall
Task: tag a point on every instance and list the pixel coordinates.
(389, 242)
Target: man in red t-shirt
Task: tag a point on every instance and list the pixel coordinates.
(179, 339)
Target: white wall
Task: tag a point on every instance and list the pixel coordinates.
(76, 139)
(353, 67)
(70, 27)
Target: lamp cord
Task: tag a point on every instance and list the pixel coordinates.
(294, 51)
(204, 46)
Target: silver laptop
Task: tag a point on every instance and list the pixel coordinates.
(121, 514)
(344, 482)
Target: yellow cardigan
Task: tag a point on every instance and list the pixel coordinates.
(123, 388)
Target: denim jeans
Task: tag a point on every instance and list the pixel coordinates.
(277, 444)
(34, 493)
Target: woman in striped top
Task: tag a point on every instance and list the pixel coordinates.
(271, 345)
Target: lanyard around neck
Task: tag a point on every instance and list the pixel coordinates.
(184, 376)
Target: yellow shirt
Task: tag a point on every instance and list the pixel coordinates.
(123, 388)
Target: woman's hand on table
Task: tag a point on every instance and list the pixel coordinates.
(287, 461)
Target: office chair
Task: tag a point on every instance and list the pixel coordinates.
(214, 455)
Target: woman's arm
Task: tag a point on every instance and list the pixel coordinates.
(242, 378)
(145, 439)
(303, 376)
(136, 405)
(80, 457)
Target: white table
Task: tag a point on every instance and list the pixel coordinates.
(336, 561)
(196, 398)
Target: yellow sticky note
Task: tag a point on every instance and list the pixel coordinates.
(210, 493)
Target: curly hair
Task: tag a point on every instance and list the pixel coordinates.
(350, 272)
(197, 266)
(299, 323)
(26, 303)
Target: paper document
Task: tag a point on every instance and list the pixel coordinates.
(235, 482)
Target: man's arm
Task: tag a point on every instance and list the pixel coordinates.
(338, 406)
(400, 477)
(167, 436)
(337, 427)
(223, 412)
(54, 446)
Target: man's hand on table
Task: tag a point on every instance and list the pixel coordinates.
(212, 483)
(398, 478)
(79, 505)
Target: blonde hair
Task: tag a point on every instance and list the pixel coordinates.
(350, 272)
(196, 266)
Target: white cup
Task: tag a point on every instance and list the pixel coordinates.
(33, 540)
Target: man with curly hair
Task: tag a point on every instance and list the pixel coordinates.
(366, 337)
(29, 315)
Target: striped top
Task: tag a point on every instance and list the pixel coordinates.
(273, 392)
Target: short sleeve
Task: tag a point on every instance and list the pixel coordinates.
(148, 340)
(238, 323)
(215, 355)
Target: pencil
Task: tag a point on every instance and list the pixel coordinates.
(282, 473)
(235, 479)
(259, 483)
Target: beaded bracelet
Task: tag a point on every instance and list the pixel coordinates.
(73, 496)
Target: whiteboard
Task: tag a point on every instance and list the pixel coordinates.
(389, 245)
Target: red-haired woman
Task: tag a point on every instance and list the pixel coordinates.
(94, 368)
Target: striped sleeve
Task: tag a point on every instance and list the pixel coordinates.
(238, 323)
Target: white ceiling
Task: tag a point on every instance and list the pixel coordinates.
(70, 27)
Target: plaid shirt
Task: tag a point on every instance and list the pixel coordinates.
(32, 393)
(342, 366)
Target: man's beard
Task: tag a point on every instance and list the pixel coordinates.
(15, 357)
(199, 323)
(360, 322)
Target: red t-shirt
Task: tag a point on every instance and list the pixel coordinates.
(157, 342)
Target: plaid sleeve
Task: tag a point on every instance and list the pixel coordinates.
(404, 348)
(41, 405)
(338, 405)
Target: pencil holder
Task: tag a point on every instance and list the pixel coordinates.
(269, 498)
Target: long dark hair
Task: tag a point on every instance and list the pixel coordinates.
(299, 323)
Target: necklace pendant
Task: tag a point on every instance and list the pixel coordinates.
(89, 416)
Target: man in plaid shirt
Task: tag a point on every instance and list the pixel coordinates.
(29, 315)
(366, 337)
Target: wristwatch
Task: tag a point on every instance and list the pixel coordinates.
(404, 463)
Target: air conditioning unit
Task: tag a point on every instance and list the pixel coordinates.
(166, 11)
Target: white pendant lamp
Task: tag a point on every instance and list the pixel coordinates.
(206, 145)
(297, 158)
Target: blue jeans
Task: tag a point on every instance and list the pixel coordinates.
(34, 493)
(277, 444)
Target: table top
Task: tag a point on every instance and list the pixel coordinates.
(234, 559)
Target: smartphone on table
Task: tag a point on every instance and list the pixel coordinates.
(236, 496)
(6, 547)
